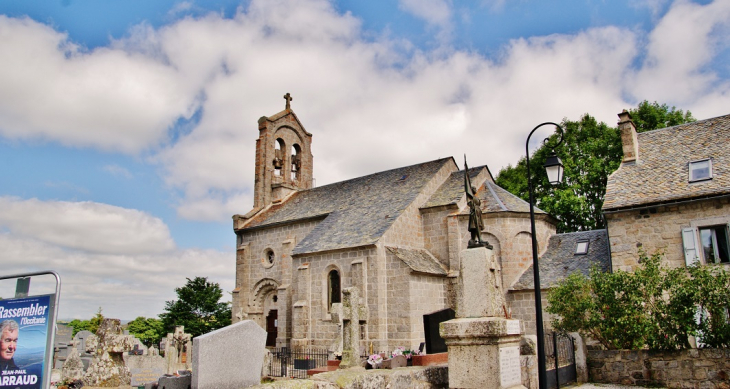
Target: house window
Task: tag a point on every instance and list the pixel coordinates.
(581, 248)
(700, 170)
(715, 244)
(333, 288)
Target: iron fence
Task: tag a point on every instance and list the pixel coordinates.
(559, 359)
(286, 362)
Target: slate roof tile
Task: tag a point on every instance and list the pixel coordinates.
(662, 171)
(560, 260)
(356, 212)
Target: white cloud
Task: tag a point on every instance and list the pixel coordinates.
(117, 171)
(119, 259)
(437, 12)
(86, 226)
(370, 104)
(106, 98)
(679, 49)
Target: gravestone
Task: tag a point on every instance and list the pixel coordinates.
(73, 368)
(145, 368)
(484, 347)
(354, 313)
(230, 357)
(178, 348)
(80, 342)
(108, 346)
(62, 344)
(431, 321)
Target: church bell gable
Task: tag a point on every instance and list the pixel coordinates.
(284, 161)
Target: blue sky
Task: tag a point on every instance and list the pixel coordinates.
(127, 128)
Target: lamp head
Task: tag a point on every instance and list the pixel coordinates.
(554, 168)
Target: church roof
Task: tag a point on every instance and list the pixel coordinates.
(356, 212)
(661, 173)
(419, 260)
(452, 190)
(493, 197)
(560, 260)
(497, 199)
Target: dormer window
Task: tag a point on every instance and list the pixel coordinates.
(700, 170)
(581, 248)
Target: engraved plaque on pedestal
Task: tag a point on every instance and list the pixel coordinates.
(509, 366)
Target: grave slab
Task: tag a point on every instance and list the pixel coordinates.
(229, 358)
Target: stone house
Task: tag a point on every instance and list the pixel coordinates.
(566, 254)
(396, 235)
(671, 193)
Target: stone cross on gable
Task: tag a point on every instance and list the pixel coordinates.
(354, 313)
(288, 99)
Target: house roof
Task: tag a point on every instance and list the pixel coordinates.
(493, 197)
(356, 212)
(560, 259)
(661, 173)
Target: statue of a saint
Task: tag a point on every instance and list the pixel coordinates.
(476, 223)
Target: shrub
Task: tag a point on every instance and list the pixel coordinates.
(652, 307)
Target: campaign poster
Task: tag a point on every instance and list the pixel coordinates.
(24, 323)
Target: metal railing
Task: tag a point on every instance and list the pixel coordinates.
(559, 359)
(294, 363)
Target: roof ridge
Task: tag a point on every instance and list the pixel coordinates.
(378, 173)
(494, 194)
(684, 124)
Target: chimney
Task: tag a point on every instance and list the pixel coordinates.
(628, 137)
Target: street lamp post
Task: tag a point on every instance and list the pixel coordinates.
(554, 169)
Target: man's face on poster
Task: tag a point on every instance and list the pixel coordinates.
(8, 344)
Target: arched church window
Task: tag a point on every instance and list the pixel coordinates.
(333, 282)
(296, 161)
(279, 149)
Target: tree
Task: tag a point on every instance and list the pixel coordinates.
(87, 325)
(197, 308)
(147, 330)
(590, 152)
(651, 116)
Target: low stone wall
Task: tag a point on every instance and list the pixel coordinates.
(690, 369)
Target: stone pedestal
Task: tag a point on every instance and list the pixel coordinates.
(484, 347)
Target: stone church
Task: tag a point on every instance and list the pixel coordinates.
(396, 235)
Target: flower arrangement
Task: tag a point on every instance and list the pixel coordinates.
(375, 360)
(404, 352)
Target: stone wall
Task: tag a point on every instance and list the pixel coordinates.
(660, 228)
(691, 369)
(311, 288)
(522, 305)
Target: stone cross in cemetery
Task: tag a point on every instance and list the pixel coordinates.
(354, 313)
(108, 346)
(178, 350)
(336, 312)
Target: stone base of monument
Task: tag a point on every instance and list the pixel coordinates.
(484, 352)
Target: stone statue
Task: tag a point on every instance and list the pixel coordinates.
(476, 224)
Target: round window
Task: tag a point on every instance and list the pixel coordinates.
(268, 259)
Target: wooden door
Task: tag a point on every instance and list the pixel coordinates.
(272, 323)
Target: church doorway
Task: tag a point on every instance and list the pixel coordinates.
(272, 324)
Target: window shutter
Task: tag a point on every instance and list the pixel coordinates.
(689, 241)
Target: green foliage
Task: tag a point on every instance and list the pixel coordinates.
(590, 152)
(651, 116)
(147, 330)
(653, 307)
(87, 325)
(197, 308)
